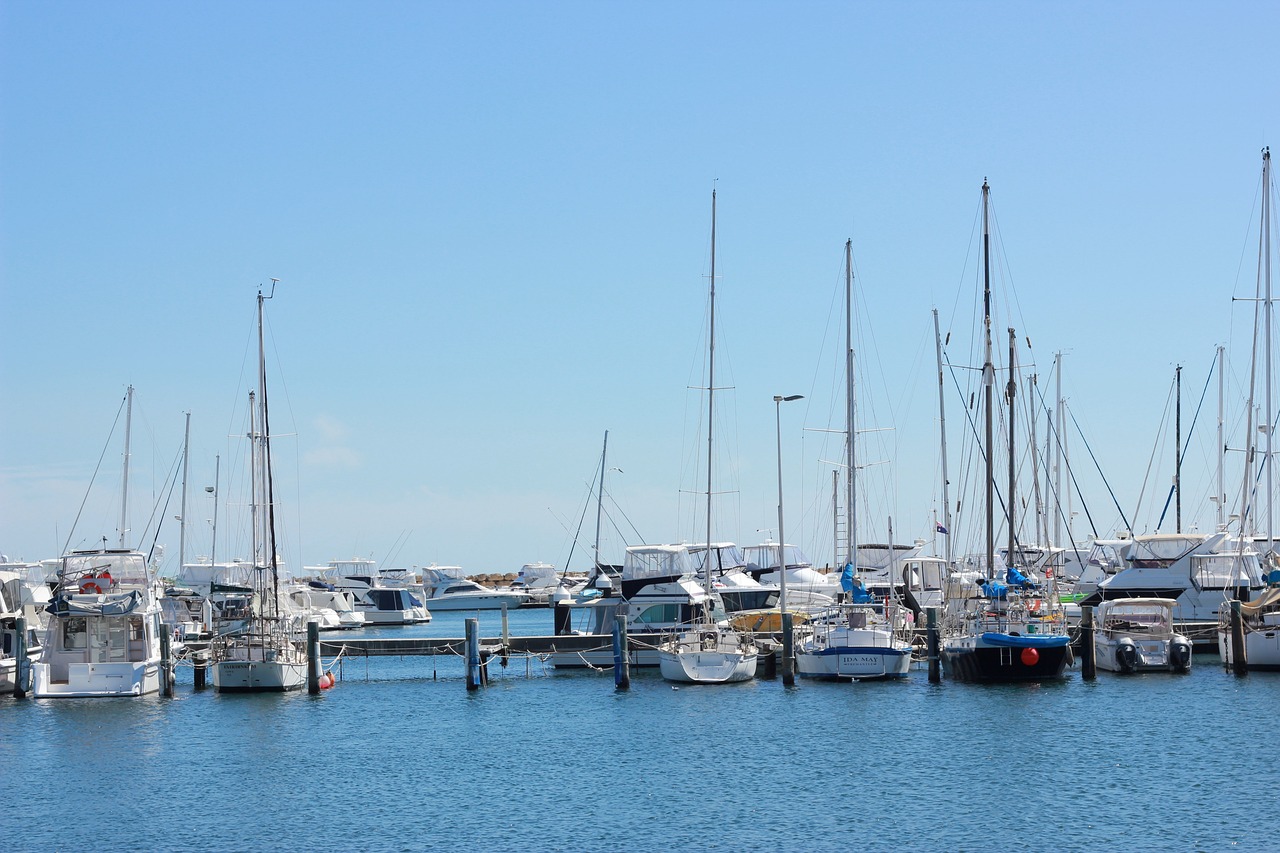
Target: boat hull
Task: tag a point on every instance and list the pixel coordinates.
(993, 657)
(1261, 649)
(692, 667)
(856, 663)
(96, 680)
(477, 602)
(256, 676)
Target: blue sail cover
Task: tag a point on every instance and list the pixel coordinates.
(853, 586)
(1017, 579)
(995, 590)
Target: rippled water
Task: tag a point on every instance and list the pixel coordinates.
(399, 756)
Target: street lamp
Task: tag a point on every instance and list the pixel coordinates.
(788, 676)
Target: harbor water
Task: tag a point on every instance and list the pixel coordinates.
(399, 756)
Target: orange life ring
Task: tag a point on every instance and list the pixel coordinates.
(88, 585)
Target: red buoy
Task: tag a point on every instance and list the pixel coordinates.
(326, 681)
(1030, 657)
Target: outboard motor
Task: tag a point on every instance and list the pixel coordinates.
(1127, 656)
(1180, 655)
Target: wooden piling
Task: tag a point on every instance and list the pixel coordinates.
(621, 656)
(1088, 651)
(473, 653)
(313, 657)
(931, 643)
(21, 666)
(788, 651)
(166, 662)
(1239, 657)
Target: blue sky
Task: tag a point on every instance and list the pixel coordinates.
(491, 226)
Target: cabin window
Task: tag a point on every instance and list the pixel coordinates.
(1220, 571)
(659, 614)
(74, 633)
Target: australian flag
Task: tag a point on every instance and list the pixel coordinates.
(941, 529)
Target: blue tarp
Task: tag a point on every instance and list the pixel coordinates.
(850, 584)
(1017, 579)
(995, 589)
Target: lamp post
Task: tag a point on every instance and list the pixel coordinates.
(788, 674)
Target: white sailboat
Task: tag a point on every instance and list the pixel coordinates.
(103, 634)
(862, 640)
(270, 655)
(709, 653)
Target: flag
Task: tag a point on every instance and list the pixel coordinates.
(941, 529)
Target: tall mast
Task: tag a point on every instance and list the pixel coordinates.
(1177, 449)
(1266, 308)
(988, 380)
(269, 532)
(850, 437)
(182, 529)
(124, 495)
(600, 497)
(1011, 390)
(711, 393)
(942, 429)
(1221, 499)
(1057, 453)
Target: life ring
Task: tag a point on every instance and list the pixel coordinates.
(89, 585)
(1034, 607)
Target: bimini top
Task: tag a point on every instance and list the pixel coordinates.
(645, 562)
(126, 568)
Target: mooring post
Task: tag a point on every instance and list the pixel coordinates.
(788, 651)
(506, 636)
(1239, 657)
(200, 674)
(313, 657)
(621, 656)
(1088, 651)
(166, 662)
(931, 643)
(473, 653)
(21, 666)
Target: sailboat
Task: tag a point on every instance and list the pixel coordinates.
(103, 634)
(1260, 617)
(270, 655)
(707, 652)
(862, 639)
(1007, 629)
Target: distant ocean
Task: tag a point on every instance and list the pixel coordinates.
(400, 757)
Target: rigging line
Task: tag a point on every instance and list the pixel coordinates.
(1057, 499)
(1182, 455)
(173, 481)
(573, 543)
(66, 545)
(982, 451)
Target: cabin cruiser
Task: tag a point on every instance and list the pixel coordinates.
(1201, 573)
(335, 608)
(543, 584)
(732, 578)
(20, 598)
(447, 588)
(657, 593)
(806, 587)
(103, 635)
(380, 602)
(1137, 635)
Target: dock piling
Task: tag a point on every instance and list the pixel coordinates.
(506, 637)
(21, 666)
(313, 657)
(788, 651)
(931, 643)
(166, 663)
(473, 653)
(621, 656)
(200, 672)
(1088, 651)
(1239, 657)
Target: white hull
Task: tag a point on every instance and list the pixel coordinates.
(1148, 655)
(854, 662)
(1261, 647)
(97, 680)
(483, 601)
(413, 616)
(707, 656)
(256, 676)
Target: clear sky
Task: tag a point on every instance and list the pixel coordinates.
(491, 226)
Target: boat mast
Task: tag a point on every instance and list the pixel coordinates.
(124, 495)
(255, 492)
(600, 498)
(988, 379)
(1177, 449)
(1010, 391)
(1221, 498)
(182, 528)
(850, 436)
(711, 392)
(1266, 308)
(1059, 411)
(269, 533)
(942, 421)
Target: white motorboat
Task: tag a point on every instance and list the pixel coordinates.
(807, 588)
(337, 606)
(447, 588)
(103, 635)
(1138, 635)
(380, 602)
(543, 583)
(856, 642)
(18, 600)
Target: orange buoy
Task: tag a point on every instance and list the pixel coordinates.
(326, 681)
(1030, 657)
